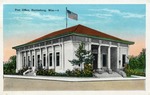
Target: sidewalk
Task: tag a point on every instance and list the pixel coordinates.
(71, 79)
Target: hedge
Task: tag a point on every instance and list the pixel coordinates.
(87, 72)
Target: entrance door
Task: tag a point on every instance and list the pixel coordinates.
(113, 58)
(38, 61)
(95, 61)
(104, 60)
(95, 54)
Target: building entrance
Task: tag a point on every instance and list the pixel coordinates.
(95, 54)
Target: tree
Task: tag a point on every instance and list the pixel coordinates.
(10, 65)
(142, 59)
(83, 56)
(137, 64)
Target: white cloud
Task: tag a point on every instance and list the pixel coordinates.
(43, 17)
(118, 12)
(100, 15)
(31, 15)
(112, 11)
(22, 18)
(131, 15)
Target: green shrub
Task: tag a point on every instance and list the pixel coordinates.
(130, 71)
(136, 64)
(69, 73)
(60, 74)
(86, 72)
(48, 72)
(10, 66)
(51, 72)
(134, 72)
(9, 71)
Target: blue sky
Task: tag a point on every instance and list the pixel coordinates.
(126, 21)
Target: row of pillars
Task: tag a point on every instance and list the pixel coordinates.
(20, 57)
(109, 56)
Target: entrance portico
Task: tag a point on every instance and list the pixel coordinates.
(106, 57)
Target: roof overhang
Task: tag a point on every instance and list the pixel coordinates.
(77, 34)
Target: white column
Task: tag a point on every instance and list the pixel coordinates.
(90, 46)
(62, 54)
(46, 57)
(22, 59)
(30, 58)
(25, 58)
(118, 54)
(19, 61)
(120, 57)
(127, 59)
(48, 61)
(41, 57)
(99, 57)
(53, 57)
(109, 58)
(35, 61)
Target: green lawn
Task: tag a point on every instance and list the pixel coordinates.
(140, 70)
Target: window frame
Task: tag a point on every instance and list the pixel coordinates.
(57, 59)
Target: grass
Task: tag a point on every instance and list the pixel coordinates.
(140, 70)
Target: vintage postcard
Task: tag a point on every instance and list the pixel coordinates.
(74, 47)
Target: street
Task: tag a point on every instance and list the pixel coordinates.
(16, 84)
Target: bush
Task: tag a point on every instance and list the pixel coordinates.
(60, 74)
(9, 71)
(87, 72)
(136, 65)
(130, 72)
(48, 72)
(10, 66)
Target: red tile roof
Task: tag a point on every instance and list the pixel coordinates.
(79, 29)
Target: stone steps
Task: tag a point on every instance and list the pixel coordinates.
(107, 75)
(30, 73)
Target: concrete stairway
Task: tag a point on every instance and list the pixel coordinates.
(30, 72)
(107, 75)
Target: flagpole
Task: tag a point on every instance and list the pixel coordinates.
(66, 17)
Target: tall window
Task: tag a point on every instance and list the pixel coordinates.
(50, 59)
(28, 60)
(104, 60)
(57, 59)
(44, 59)
(123, 60)
(38, 59)
(33, 60)
(24, 61)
